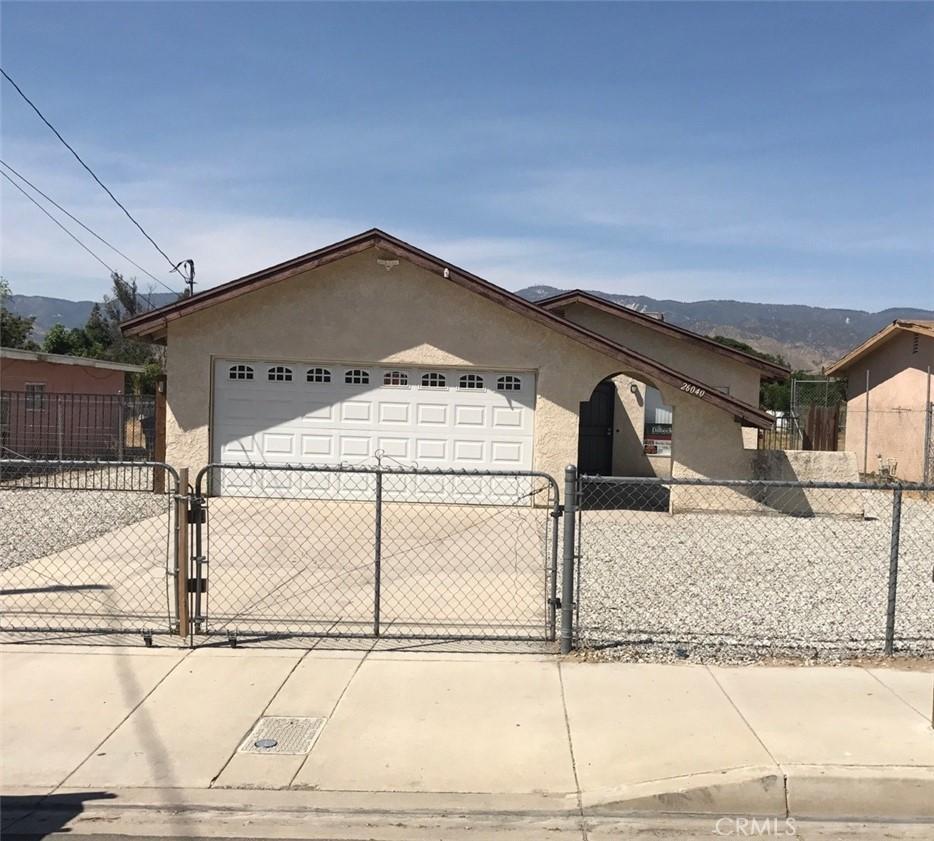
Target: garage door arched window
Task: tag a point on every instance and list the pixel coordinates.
(508, 383)
(279, 374)
(433, 380)
(470, 381)
(395, 378)
(357, 376)
(240, 372)
(318, 375)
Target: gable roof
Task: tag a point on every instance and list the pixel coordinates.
(923, 328)
(153, 324)
(579, 296)
(15, 354)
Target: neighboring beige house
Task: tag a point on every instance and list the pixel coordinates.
(373, 348)
(896, 362)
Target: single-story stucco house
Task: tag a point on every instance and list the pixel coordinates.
(888, 424)
(372, 347)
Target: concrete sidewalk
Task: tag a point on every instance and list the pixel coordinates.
(431, 732)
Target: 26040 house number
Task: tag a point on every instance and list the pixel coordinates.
(693, 389)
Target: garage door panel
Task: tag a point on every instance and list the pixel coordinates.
(394, 413)
(431, 414)
(400, 448)
(354, 446)
(319, 412)
(507, 454)
(470, 453)
(356, 411)
(469, 416)
(507, 417)
(318, 448)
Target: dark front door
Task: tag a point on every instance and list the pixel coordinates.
(595, 439)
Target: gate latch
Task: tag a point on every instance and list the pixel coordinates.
(555, 601)
(196, 513)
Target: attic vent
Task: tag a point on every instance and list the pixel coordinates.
(915, 343)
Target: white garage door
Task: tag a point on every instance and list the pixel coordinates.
(269, 412)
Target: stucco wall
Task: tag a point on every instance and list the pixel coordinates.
(709, 367)
(897, 394)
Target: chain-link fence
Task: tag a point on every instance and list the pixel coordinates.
(87, 548)
(740, 569)
(292, 551)
(814, 420)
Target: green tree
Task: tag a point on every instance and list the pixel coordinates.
(15, 330)
(102, 332)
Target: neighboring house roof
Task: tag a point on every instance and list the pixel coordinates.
(579, 296)
(61, 359)
(153, 324)
(923, 328)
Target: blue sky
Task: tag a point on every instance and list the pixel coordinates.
(764, 152)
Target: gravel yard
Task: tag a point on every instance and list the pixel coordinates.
(37, 523)
(737, 587)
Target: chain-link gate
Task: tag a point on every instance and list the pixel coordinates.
(298, 551)
(89, 549)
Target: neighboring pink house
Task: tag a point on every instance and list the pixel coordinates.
(896, 363)
(53, 405)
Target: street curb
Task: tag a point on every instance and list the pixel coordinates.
(811, 792)
(751, 790)
(860, 792)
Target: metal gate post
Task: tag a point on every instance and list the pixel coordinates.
(556, 513)
(181, 553)
(377, 551)
(60, 411)
(567, 566)
(893, 571)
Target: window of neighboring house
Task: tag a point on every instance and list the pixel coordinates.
(240, 372)
(357, 376)
(395, 378)
(433, 380)
(318, 375)
(279, 374)
(35, 396)
(470, 381)
(508, 383)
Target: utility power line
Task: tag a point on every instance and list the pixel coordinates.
(60, 225)
(94, 234)
(91, 172)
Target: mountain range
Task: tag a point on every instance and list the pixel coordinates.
(807, 337)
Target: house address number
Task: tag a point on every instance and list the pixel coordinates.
(693, 389)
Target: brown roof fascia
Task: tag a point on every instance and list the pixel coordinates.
(924, 328)
(155, 321)
(580, 296)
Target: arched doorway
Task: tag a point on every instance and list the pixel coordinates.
(625, 429)
(595, 431)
